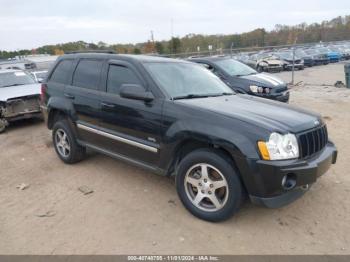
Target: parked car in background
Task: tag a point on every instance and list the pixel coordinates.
(318, 58)
(289, 61)
(334, 57)
(344, 53)
(39, 76)
(174, 117)
(265, 62)
(19, 97)
(308, 59)
(243, 79)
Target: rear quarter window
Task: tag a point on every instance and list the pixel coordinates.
(62, 72)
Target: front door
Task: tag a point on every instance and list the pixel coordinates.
(131, 127)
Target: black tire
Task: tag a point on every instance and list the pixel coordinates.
(259, 69)
(223, 164)
(76, 152)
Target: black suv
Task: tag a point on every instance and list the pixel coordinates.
(244, 79)
(176, 118)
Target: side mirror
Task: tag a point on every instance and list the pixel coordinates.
(137, 92)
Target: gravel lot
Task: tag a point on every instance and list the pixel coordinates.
(132, 211)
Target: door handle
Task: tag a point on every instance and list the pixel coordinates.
(107, 105)
(69, 96)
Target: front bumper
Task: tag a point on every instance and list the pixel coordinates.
(290, 66)
(305, 172)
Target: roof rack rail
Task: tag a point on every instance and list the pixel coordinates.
(92, 51)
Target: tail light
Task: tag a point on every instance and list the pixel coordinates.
(43, 93)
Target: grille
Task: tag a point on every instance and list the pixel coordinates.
(313, 141)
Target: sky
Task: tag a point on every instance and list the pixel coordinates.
(28, 24)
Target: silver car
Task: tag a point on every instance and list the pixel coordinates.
(19, 97)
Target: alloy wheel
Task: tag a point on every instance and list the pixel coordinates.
(206, 187)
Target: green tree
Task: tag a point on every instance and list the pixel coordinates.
(175, 45)
(159, 48)
(137, 51)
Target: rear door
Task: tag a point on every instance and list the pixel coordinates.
(59, 78)
(131, 127)
(84, 91)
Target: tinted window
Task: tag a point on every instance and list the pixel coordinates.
(62, 72)
(118, 75)
(87, 74)
(15, 79)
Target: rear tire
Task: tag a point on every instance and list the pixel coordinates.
(66, 146)
(208, 185)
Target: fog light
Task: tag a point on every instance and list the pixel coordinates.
(289, 181)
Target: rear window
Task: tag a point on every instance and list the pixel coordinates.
(15, 79)
(119, 75)
(62, 72)
(87, 74)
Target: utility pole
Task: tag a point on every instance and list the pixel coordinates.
(152, 36)
(172, 34)
(296, 39)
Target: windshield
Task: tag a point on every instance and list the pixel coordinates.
(186, 79)
(15, 79)
(288, 56)
(311, 52)
(300, 53)
(235, 68)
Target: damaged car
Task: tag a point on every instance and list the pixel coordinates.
(268, 63)
(19, 97)
(290, 61)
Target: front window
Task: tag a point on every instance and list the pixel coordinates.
(287, 56)
(235, 68)
(15, 79)
(181, 80)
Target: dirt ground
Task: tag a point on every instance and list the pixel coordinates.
(132, 211)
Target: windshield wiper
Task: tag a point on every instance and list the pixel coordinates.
(246, 74)
(189, 96)
(14, 85)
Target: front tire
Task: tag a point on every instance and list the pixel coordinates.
(66, 146)
(208, 185)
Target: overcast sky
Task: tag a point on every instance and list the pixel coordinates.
(27, 24)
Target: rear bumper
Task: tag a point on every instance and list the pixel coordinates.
(305, 172)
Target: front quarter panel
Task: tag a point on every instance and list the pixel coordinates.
(185, 123)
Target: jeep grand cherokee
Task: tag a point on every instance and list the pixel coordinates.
(176, 118)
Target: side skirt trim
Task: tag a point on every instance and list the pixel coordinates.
(118, 138)
(123, 158)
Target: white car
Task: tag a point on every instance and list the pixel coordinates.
(19, 97)
(39, 76)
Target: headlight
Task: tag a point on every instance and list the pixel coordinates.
(279, 147)
(259, 89)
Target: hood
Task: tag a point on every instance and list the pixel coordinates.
(272, 61)
(264, 80)
(264, 113)
(11, 92)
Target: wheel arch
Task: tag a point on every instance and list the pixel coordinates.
(59, 107)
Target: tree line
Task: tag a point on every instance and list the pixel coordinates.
(333, 30)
